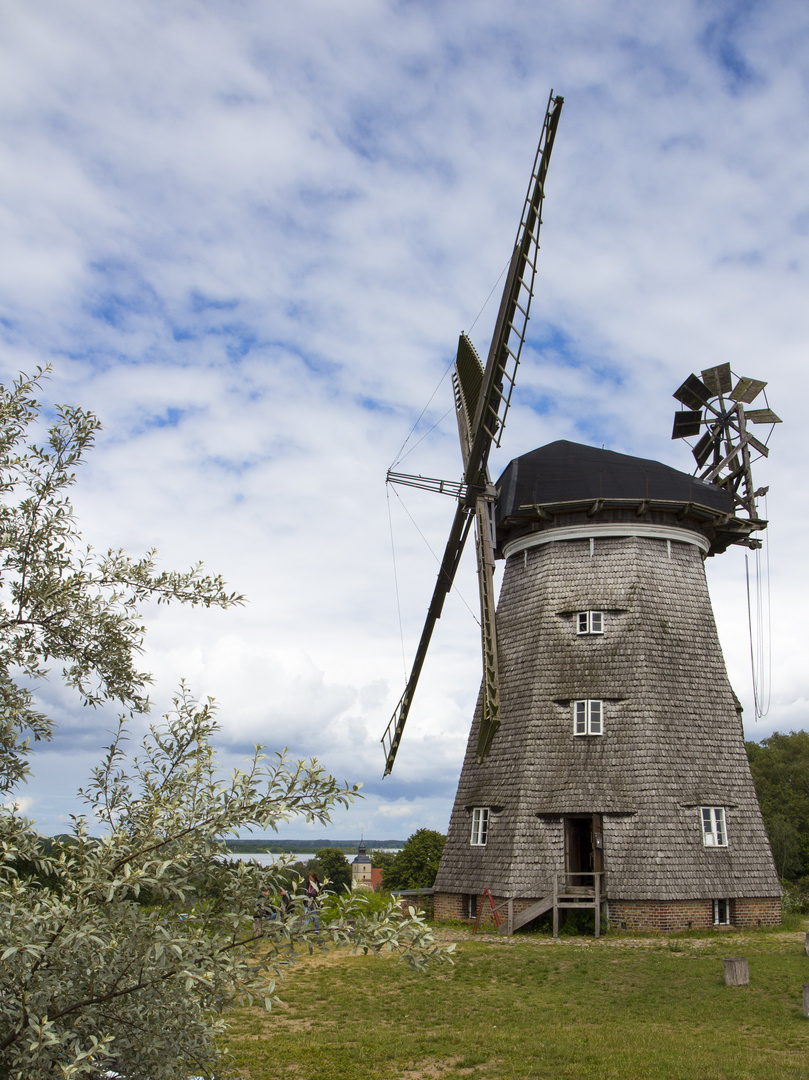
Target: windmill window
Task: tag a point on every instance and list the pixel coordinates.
(721, 912)
(590, 622)
(588, 717)
(480, 826)
(714, 832)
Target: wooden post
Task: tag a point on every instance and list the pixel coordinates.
(556, 905)
(597, 878)
(737, 972)
(510, 916)
(806, 999)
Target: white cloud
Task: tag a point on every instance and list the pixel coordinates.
(248, 238)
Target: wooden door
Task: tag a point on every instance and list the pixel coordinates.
(584, 849)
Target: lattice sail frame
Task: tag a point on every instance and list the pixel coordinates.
(482, 399)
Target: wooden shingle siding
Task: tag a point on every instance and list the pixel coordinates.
(672, 737)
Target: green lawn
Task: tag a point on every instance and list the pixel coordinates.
(620, 1008)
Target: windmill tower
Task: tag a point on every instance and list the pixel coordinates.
(606, 763)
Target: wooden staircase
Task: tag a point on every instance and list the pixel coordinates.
(565, 895)
(533, 912)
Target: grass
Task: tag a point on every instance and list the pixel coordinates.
(622, 1008)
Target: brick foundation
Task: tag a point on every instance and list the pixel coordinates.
(668, 915)
(456, 906)
(758, 911)
(662, 915)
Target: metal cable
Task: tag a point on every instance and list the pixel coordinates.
(437, 559)
(396, 581)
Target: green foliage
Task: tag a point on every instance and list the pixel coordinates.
(61, 601)
(416, 865)
(780, 768)
(372, 903)
(334, 868)
(381, 860)
(127, 950)
(796, 897)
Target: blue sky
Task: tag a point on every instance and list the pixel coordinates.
(248, 235)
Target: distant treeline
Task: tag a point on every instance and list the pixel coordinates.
(286, 847)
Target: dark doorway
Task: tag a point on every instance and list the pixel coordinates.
(583, 849)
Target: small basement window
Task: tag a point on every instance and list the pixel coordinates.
(721, 912)
(588, 717)
(480, 826)
(590, 622)
(714, 832)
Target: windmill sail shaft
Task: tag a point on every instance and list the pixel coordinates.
(482, 399)
(446, 576)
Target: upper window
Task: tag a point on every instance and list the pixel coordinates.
(480, 825)
(714, 832)
(590, 622)
(588, 717)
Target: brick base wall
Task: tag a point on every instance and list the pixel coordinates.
(663, 915)
(456, 906)
(667, 915)
(757, 911)
(450, 905)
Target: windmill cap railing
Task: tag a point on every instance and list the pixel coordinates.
(720, 529)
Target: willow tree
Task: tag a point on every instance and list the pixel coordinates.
(125, 951)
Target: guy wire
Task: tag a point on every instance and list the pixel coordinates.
(396, 581)
(399, 457)
(455, 588)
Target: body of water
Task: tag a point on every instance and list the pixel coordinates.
(266, 858)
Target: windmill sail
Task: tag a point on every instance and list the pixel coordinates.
(482, 398)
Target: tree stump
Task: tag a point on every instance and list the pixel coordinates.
(737, 972)
(806, 999)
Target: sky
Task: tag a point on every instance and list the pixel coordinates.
(246, 235)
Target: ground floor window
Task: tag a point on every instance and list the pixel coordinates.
(472, 906)
(721, 912)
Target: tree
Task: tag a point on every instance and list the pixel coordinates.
(416, 865)
(127, 949)
(381, 860)
(335, 868)
(780, 768)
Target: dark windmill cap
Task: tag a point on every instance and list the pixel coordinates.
(566, 483)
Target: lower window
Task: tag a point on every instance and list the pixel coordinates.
(721, 912)
(472, 906)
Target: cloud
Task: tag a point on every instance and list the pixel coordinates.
(248, 239)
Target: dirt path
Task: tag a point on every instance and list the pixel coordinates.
(729, 938)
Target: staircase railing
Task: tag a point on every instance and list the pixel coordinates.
(583, 896)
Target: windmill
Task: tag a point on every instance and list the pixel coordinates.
(605, 769)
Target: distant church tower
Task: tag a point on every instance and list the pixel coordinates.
(620, 750)
(361, 869)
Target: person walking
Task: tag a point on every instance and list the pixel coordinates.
(312, 902)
